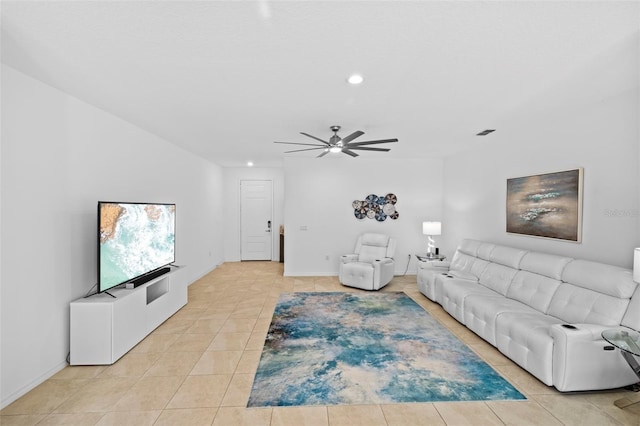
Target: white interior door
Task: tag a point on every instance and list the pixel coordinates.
(256, 223)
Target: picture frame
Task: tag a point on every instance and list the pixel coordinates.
(547, 205)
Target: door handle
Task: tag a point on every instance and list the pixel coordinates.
(268, 226)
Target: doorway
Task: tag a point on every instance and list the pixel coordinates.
(256, 219)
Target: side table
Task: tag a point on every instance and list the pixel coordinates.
(422, 257)
(628, 341)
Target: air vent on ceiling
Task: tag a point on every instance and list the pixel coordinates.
(486, 132)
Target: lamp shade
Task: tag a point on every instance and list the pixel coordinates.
(636, 265)
(435, 228)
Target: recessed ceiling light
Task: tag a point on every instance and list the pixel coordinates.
(250, 163)
(355, 79)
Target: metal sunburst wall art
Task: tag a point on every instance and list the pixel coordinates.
(376, 207)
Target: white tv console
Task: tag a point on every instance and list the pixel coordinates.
(104, 328)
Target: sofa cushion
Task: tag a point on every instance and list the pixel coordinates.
(467, 266)
(608, 279)
(507, 256)
(442, 279)
(533, 290)
(577, 305)
(370, 253)
(497, 277)
(469, 247)
(454, 292)
(524, 337)
(358, 274)
(548, 265)
(481, 312)
(484, 251)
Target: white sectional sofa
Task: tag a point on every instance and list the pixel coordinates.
(544, 312)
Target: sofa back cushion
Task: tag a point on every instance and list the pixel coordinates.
(469, 247)
(534, 290)
(575, 304)
(497, 277)
(466, 266)
(507, 256)
(607, 279)
(484, 251)
(548, 265)
(593, 292)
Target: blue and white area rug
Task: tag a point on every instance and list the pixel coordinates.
(366, 348)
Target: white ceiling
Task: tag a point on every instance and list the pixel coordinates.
(224, 79)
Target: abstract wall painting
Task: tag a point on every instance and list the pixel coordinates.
(546, 205)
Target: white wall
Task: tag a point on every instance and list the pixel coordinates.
(230, 210)
(589, 119)
(59, 157)
(319, 196)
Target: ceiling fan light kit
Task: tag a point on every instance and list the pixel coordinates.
(337, 144)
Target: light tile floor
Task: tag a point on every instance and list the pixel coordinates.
(197, 369)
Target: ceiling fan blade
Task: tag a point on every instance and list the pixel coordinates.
(352, 136)
(297, 143)
(362, 148)
(373, 142)
(306, 149)
(313, 137)
(326, 151)
(348, 152)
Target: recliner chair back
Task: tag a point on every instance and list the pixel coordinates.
(370, 247)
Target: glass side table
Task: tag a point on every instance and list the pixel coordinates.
(424, 257)
(628, 341)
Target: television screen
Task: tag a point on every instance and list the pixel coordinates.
(134, 239)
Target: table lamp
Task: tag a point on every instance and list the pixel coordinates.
(430, 229)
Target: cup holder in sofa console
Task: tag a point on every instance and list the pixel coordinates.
(569, 326)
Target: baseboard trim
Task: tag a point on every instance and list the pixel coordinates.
(32, 385)
(205, 273)
(311, 274)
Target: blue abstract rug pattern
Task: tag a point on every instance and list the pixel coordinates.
(366, 348)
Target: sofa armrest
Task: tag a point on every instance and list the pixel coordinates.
(383, 271)
(426, 276)
(382, 267)
(348, 258)
(463, 275)
(582, 359)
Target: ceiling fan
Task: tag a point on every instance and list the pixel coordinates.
(338, 144)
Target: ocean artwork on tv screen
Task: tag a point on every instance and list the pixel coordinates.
(134, 239)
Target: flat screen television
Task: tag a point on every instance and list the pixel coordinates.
(134, 240)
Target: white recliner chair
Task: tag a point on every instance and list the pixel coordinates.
(371, 267)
